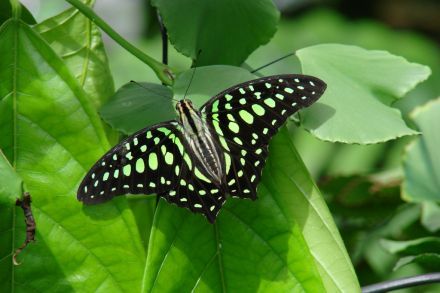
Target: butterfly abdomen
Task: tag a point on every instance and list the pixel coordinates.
(201, 143)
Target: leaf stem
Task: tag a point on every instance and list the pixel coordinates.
(402, 283)
(163, 72)
(16, 9)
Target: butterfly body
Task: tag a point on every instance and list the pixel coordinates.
(201, 141)
(207, 154)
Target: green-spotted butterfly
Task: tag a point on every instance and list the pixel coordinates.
(197, 161)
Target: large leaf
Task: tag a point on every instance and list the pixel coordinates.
(269, 248)
(135, 106)
(78, 41)
(361, 86)
(10, 190)
(208, 81)
(422, 160)
(52, 134)
(6, 12)
(284, 241)
(318, 26)
(225, 31)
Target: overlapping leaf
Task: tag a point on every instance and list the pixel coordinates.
(216, 27)
(135, 106)
(78, 41)
(362, 84)
(284, 241)
(52, 134)
(422, 160)
(423, 251)
(10, 190)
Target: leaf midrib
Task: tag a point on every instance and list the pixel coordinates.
(14, 146)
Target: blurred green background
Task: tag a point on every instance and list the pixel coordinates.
(362, 184)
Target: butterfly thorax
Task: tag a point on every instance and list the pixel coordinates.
(202, 142)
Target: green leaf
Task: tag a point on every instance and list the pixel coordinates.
(411, 247)
(6, 13)
(361, 86)
(208, 81)
(135, 106)
(10, 190)
(225, 31)
(52, 134)
(430, 216)
(319, 26)
(284, 241)
(78, 41)
(422, 159)
(423, 251)
(430, 261)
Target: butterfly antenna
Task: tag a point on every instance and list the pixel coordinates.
(151, 90)
(192, 75)
(275, 61)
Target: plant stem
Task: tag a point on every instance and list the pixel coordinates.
(163, 72)
(16, 9)
(402, 283)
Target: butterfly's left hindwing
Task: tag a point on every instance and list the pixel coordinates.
(246, 116)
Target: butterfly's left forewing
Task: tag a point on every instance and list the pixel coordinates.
(144, 163)
(246, 116)
(153, 160)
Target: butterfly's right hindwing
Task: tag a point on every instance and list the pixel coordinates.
(144, 163)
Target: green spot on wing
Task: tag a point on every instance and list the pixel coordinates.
(217, 127)
(140, 165)
(233, 127)
(169, 158)
(188, 161)
(270, 102)
(258, 109)
(126, 170)
(152, 161)
(200, 176)
(164, 130)
(228, 162)
(246, 116)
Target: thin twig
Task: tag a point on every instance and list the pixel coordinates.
(163, 72)
(163, 32)
(402, 283)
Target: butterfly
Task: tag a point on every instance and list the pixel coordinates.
(208, 154)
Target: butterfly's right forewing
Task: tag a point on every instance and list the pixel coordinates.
(246, 116)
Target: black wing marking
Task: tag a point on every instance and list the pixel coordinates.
(144, 163)
(246, 117)
(153, 160)
(197, 193)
